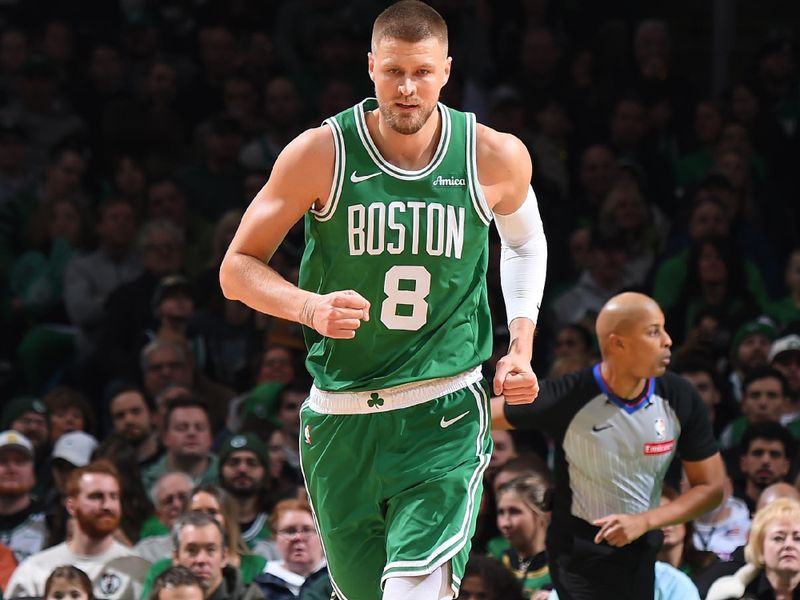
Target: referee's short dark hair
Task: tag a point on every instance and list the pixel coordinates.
(770, 431)
(175, 577)
(765, 373)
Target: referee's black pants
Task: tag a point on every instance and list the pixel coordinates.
(583, 570)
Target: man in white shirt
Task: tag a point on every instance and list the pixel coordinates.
(93, 501)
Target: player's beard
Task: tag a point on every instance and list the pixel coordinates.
(97, 525)
(408, 124)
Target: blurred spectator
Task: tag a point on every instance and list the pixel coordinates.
(487, 579)
(765, 457)
(73, 450)
(707, 127)
(28, 416)
(784, 355)
(41, 109)
(597, 175)
(133, 420)
(715, 280)
(128, 309)
(678, 549)
(168, 495)
(764, 400)
(787, 309)
(22, 520)
(177, 583)
(283, 110)
(93, 501)
(705, 379)
(773, 556)
(187, 443)
(290, 399)
(200, 546)
(67, 410)
(215, 184)
(90, 279)
(301, 559)
(602, 279)
(523, 514)
(166, 200)
(15, 170)
(216, 503)
(723, 529)
(7, 565)
(14, 52)
(244, 474)
(775, 491)
(68, 581)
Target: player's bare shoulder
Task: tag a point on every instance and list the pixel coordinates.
(306, 165)
(504, 165)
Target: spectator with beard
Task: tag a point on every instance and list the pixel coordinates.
(28, 416)
(93, 500)
(764, 400)
(22, 521)
(200, 545)
(749, 350)
(244, 473)
(177, 583)
(168, 494)
(187, 440)
(784, 355)
(764, 458)
(134, 420)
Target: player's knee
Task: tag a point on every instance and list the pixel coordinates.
(435, 586)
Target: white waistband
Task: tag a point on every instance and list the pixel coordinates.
(393, 398)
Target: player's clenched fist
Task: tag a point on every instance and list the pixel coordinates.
(515, 380)
(336, 315)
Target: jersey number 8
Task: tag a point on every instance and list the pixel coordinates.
(396, 297)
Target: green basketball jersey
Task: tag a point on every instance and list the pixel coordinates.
(413, 243)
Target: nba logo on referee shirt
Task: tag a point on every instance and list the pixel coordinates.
(661, 428)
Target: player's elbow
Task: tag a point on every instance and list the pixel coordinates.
(227, 277)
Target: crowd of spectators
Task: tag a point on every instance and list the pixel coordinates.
(149, 424)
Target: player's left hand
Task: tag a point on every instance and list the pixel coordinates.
(620, 530)
(515, 380)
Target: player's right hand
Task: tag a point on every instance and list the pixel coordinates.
(336, 315)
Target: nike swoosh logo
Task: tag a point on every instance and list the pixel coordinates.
(445, 423)
(597, 428)
(359, 178)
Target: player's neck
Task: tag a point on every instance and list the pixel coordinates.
(410, 152)
(623, 385)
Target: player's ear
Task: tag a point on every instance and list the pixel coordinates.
(371, 65)
(447, 64)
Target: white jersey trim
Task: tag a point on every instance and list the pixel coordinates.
(387, 167)
(393, 398)
(339, 167)
(475, 191)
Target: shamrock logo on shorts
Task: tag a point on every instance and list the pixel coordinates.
(374, 400)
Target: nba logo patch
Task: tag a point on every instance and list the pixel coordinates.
(307, 434)
(661, 428)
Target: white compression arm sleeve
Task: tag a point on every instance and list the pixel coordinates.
(523, 259)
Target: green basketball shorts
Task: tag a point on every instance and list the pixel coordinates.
(395, 478)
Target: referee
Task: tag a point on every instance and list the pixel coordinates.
(617, 427)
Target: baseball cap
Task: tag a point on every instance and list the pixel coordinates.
(787, 343)
(75, 447)
(752, 328)
(244, 441)
(170, 285)
(18, 407)
(13, 438)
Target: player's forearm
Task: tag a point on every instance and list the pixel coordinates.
(688, 506)
(499, 420)
(259, 286)
(521, 331)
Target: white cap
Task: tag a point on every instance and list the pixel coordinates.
(75, 447)
(784, 344)
(15, 438)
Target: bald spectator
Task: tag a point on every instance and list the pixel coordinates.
(187, 441)
(94, 504)
(775, 491)
(22, 519)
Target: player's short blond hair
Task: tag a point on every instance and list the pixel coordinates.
(782, 509)
(409, 21)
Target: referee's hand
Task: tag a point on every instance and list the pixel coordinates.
(620, 530)
(515, 380)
